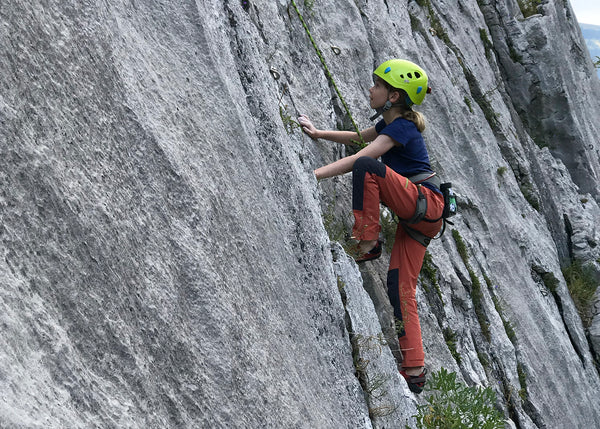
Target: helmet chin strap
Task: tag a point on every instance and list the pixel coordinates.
(387, 106)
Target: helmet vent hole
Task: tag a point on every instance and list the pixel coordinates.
(401, 76)
(409, 75)
(417, 75)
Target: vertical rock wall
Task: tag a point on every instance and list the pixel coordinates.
(165, 255)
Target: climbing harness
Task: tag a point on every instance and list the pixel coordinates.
(450, 207)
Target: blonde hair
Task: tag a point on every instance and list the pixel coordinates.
(416, 117)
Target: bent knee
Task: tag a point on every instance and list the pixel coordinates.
(366, 164)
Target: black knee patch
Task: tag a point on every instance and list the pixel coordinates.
(394, 295)
(362, 166)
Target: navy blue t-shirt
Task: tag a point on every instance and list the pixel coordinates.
(409, 157)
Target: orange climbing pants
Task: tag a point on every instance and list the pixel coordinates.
(373, 182)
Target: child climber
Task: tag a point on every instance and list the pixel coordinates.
(405, 183)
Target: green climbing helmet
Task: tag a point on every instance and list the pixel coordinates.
(406, 75)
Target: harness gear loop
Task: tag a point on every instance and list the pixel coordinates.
(420, 210)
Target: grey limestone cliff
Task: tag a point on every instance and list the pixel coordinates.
(169, 260)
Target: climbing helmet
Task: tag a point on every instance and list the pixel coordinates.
(406, 75)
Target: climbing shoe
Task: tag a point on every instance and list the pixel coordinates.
(415, 382)
(372, 254)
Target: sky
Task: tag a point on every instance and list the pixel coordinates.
(586, 11)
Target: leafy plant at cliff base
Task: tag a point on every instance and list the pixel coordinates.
(454, 405)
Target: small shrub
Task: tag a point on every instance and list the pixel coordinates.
(287, 120)
(414, 24)
(429, 272)
(382, 410)
(523, 394)
(336, 230)
(477, 297)
(487, 44)
(508, 326)
(468, 103)
(457, 406)
(460, 245)
(529, 7)
(529, 194)
(376, 386)
(309, 4)
(450, 338)
(582, 287)
(484, 360)
(476, 290)
(488, 111)
(399, 327)
(550, 281)
(388, 223)
(284, 114)
(509, 329)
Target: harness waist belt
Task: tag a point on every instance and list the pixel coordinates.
(429, 177)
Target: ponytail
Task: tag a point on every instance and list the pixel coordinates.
(416, 117)
(408, 113)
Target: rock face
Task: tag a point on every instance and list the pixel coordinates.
(167, 256)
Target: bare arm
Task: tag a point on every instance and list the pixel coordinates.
(344, 137)
(380, 145)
